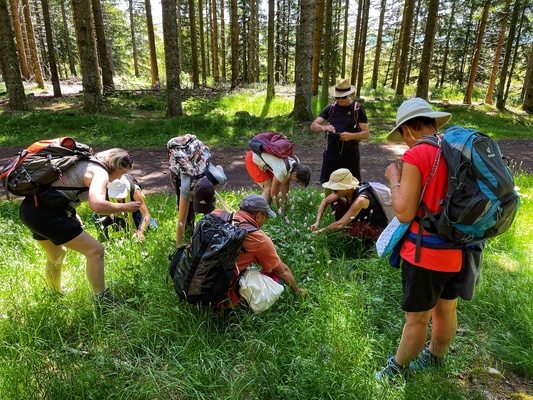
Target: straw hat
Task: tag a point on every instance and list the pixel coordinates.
(412, 108)
(342, 88)
(341, 179)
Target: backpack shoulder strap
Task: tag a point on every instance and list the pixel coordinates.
(331, 109)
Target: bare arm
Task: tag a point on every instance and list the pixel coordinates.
(182, 220)
(364, 134)
(318, 126)
(137, 196)
(361, 202)
(328, 200)
(284, 272)
(406, 196)
(96, 179)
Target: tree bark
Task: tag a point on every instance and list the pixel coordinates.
(324, 93)
(379, 42)
(32, 45)
(500, 98)
(270, 51)
(234, 46)
(51, 48)
(422, 87)
(362, 47)
(527, 104)
(408, 22)
(133, 40)
(317, 45)
(356, 43)
(303, 61)
(66, 36)
(20, 39)
(497, 54)
(202, 41)
(345, 39)
(10, 62)
(194, 45)
(172, 62)
(477, 54)
(154, 69)
(104, 52)
(92, 94)
(214, 35)
(447, 44)
(222, 41)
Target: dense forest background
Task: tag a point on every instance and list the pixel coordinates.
(482, 48)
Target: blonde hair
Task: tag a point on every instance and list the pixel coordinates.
(115, 159)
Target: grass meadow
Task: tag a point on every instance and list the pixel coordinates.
(327, 346)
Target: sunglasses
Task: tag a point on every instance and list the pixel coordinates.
(343, 97)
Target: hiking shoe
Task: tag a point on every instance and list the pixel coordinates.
(426, 361)
(392, 371)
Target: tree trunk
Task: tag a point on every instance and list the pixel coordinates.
(51, 48)
(477, 54)
(422, 87)
(214, 34)
(20, 40)
(194, 45)
(304, 62)
(447, 45)
(222, 41)
(172, 62)
(92, 94)
(398, 51)
(253, 43)
(234, 46)
(202, 41)
(356, 42)
(408, 22)
(362, 46)
(180, 34)
(379, 42)
(527, 104)
(133, 40)
(33, 47)
(10, 62)
(324, 93)
(466, 49)
(516, 47)
(104, 52)
(66, 36)
(345, 39)
(498, 54)
(411, 55)
(270, 51)
(154, 69)
(317, 45)
(500, 98)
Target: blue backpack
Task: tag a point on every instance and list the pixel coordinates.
(481, 201)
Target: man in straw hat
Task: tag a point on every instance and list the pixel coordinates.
(428, 285)
(347, 124)
(355, 207)
(254, 210)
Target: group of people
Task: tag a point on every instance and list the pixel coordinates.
(428, 285)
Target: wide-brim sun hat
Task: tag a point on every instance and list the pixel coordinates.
(118, 189)
(341, 179)
(342, 88)
(412, 108)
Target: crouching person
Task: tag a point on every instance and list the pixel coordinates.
(259, 248)
(356, 208)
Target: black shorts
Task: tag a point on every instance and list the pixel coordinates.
(423, 287)
(49, 223)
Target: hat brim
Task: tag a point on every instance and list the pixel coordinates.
(338, 93)
(117, 194)
(206, 208)
(440, 118)
(271, 213)
(341, 186)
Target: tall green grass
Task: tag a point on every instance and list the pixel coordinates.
(327, 346)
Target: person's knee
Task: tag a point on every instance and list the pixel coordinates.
(95, 252)
(56, 255)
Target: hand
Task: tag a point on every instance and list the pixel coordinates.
(301, 293)
(139, 235)
(131, 206)
(345, 136)
(393, 173)
(329, 128)
(314, 227)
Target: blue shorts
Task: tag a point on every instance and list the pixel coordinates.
(422, 287)
(49, 223)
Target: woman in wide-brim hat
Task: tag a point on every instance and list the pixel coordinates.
(429, 269)
(345, 124)
(357, 211)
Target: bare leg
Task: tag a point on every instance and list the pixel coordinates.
(444, 326)
(54, 263)
(93, 251)
(414, 336)
(267, 188)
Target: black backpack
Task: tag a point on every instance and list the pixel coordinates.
(202, 269)
(33, 169)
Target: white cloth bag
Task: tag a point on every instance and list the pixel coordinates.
(260, 291)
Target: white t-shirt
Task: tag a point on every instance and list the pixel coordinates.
(277, 165)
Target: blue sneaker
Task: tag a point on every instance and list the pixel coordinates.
(392, 371)
(426, 361)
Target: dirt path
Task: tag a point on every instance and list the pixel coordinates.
(151, 165)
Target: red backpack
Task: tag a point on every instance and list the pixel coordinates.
(272, 143)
